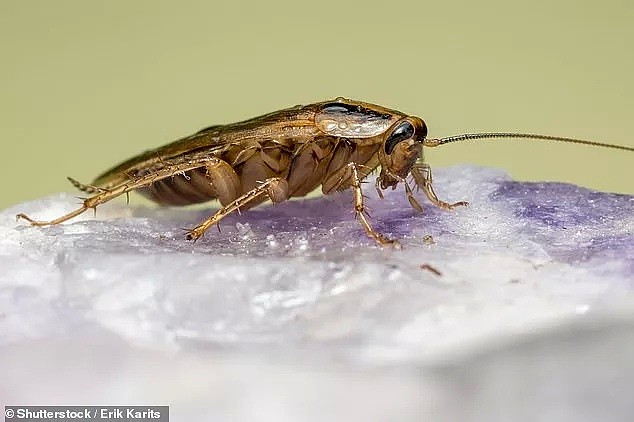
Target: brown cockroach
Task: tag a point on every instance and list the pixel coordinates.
(285, 154)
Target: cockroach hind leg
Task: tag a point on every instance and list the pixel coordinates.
(275, 188)
(59, 220)
(23, 216)
(106, 195)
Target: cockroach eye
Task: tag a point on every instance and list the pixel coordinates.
(402, 132)
(422, 133)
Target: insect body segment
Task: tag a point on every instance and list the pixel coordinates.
(289, 153)
(346, 119)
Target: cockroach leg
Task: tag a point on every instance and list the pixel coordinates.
(61, 219)
(224, 180)
(111, 193)
(275, 188)
(360, 211)
(410, 197)
(377, 185)
(408, 191)
(423, 178)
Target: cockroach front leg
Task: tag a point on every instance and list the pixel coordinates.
(275, 188)
(106, 195)
(360, 211)
(423, 179)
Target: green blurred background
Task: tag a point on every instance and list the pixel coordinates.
(86, 84)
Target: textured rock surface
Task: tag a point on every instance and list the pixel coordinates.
(291, 313)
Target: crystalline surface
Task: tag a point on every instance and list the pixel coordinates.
(291, 313)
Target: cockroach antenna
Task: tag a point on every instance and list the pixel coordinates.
(434, 142)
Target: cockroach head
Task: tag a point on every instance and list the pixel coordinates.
(402, 146)
(411, 130)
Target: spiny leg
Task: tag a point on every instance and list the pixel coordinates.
(360, 211)
(108, 194)
(276, 188)
(423, 178)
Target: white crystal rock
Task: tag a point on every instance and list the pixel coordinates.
(290, 313)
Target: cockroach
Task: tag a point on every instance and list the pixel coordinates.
(285, 154)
